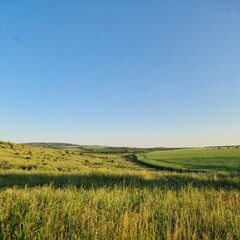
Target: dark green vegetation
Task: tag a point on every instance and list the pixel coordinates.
(64, 193)
(204, 159)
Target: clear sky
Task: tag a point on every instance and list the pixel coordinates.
(125, 73)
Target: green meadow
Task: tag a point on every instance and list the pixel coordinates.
(202, 159)
(63, 193)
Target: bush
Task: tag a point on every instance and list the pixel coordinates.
(29, 167)
(10, 145)
(6, 165)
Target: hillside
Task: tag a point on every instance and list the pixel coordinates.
(58, 159)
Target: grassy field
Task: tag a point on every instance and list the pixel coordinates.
(40, 159)
(204, 159)
(49, 193)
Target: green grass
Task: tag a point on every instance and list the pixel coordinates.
(73, 195)
(205, 159)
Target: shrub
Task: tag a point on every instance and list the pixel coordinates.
(29, 167)
(10, 145)
(6, 165)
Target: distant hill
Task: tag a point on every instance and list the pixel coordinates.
(96, 148)
(52, 144)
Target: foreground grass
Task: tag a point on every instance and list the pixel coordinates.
(204, 159)
(105, 196)
(149, 206)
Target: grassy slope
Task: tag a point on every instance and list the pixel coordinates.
(23, 157)
(72, 195)
(206, 159)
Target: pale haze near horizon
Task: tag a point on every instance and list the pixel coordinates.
(122, 73)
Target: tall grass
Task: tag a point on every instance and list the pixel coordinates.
(119, 213)
(119, 206)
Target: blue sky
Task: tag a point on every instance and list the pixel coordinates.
(123, 73)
